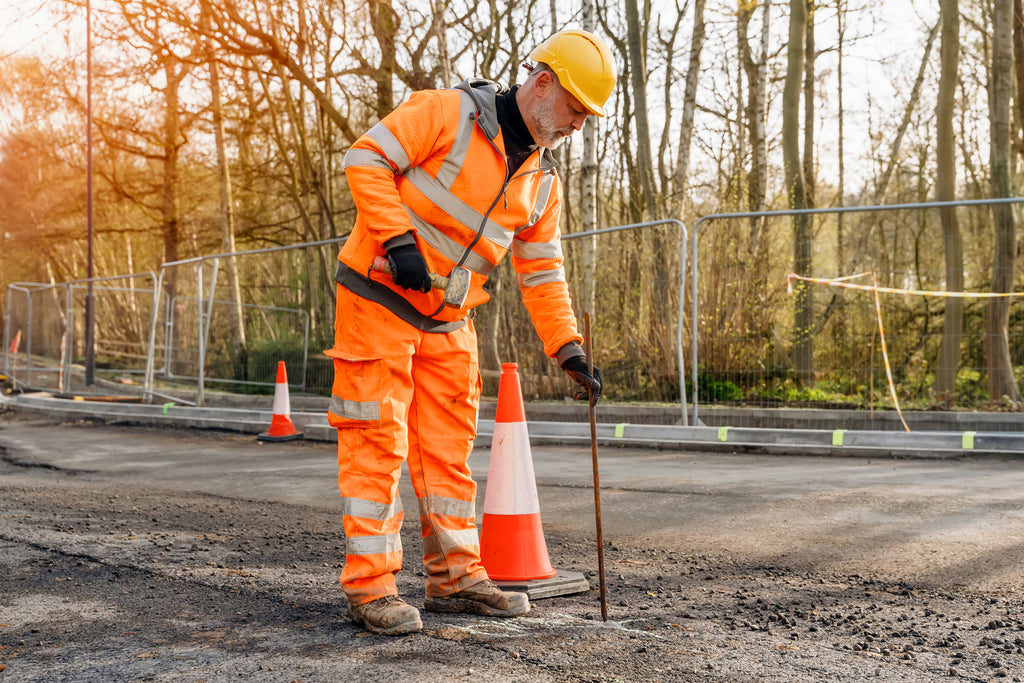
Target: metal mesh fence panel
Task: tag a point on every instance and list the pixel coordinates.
(747, 308)
(223, 322)
(629, 279)
(51, 320)
(234, 317)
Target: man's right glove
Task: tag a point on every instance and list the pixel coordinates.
(576, 367)
(408, 269)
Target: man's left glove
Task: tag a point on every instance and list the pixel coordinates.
(576, 367)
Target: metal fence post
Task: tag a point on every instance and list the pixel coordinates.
(682, 289)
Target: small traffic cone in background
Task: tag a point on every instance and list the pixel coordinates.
(281, 426)
(15, 343)
(512, 546)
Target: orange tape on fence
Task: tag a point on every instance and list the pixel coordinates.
(843, 282)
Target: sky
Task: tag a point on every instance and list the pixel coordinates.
(26, 27)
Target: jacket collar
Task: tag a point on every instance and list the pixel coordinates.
(483, 92)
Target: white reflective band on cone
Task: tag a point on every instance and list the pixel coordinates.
(282, 404)
(511, 488)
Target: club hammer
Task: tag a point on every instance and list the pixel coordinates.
(455, 286)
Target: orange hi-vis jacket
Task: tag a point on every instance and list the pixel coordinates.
(435, 167)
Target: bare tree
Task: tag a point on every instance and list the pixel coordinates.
(682, 169)
(1001, 382)
(756, 72)
(810, 57)
(638, 84)
(945, 186)
(227, 216)
(803, 309)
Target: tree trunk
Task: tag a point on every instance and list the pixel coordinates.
(382, 18)
(945, 189)
(227, 220)
(172, 143)
(803, 309)
(588, 188)
(997, 347)
(840, 144)
(638, 84)
(1018, 66)
(809, 122)
(756, 72)
(841, 329)
(682, 170)
(439, 29)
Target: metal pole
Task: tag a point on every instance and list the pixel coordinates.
(200, 386)
(7, 331)
(28, 339)
(684, 420)
(69, 329)
(90, 313)
(205, 316)
(147, 384)
(597, 475)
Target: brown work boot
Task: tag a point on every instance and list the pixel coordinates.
(390, 616)
(483, 598)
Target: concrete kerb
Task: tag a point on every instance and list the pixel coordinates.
(925, 444)
(230, 419)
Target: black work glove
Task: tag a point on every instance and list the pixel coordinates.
(408, 269)
(576, 367)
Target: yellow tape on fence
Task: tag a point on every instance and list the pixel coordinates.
(843, 282)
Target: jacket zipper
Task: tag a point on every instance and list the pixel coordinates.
(501, 193)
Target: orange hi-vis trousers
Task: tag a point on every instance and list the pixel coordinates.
(403, 395)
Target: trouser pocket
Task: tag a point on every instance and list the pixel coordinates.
(356, 392)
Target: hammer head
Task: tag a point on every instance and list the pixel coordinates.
(458, 287)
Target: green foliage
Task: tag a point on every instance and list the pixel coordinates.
(970, 384)
(711, 388)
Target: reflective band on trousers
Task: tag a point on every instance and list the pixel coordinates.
(446, 539)
(373, 545)
(450, 507)
(368, 411)
(370, 509)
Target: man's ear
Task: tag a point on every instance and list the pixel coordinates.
(545, 80)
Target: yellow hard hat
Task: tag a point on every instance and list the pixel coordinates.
(584, 66)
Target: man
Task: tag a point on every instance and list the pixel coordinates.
(452, 179)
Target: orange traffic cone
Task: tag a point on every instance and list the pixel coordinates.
(15, 343)
(512, 546)
(281, 426)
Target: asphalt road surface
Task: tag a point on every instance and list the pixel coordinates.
(164, 554)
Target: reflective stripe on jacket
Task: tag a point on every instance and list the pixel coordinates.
(435, 167)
